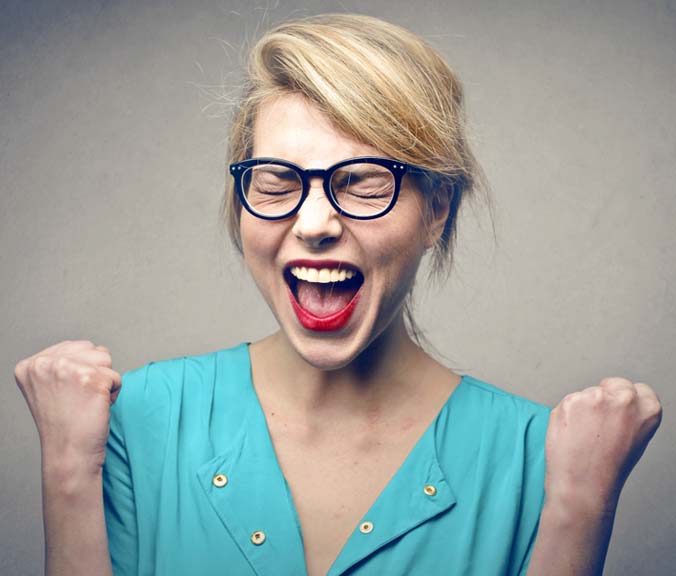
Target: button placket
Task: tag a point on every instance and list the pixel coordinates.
(253, 505)
(417, 493)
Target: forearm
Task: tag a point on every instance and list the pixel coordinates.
(572, 540)
(75, 531)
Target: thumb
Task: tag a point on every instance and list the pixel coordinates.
(115, 380)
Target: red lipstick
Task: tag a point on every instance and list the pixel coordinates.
(329, 323)
(335, 320)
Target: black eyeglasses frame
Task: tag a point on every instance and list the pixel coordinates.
(396, 167)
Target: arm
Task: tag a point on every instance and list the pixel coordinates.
(595, 438)
(75, 531)
(69, 388)
(571, 541)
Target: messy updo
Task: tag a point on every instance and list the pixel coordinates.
(380, 85)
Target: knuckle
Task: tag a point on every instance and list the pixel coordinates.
(646, 391)
(20, 369)
(571, 397)
(570, 403)
(62, 367)
(61, 362)
(594, 395)
(614, 382)
(598, 396)
(655, 409)
(625, 397)
(40, 365)
(596, 392)
(86, 375)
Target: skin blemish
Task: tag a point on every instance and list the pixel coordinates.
(373, 416)
(407, 423)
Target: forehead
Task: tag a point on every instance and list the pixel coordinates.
(292, 128)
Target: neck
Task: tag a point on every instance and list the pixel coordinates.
(383, 375)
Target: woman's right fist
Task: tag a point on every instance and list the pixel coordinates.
(69, 388)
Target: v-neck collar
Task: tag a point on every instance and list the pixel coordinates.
(256, 497)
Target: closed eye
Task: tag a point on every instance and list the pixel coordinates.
(276, 192)
(268, 181)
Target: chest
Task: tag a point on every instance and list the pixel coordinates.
(334, 482)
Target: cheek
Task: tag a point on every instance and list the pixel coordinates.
(258, 247)
(249, 244)
(400, 256)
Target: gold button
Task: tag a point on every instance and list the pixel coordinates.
(258, 537)
(366, 527)
(430, 490)
(219, 480)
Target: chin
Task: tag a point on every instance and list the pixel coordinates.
(325, 354)
(358, 347)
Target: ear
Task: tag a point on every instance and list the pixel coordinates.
(438, 210)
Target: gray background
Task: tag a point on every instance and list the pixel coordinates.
(112, 140)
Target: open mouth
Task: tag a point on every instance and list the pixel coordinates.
(323, 291)
(323, 298)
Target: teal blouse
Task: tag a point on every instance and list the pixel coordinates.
(192, 485)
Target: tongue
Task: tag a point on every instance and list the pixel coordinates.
(324, 299)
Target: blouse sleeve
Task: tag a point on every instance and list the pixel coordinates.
(533, 495)
(531, 544)
(118, 497)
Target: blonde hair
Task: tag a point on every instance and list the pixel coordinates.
(379, 84)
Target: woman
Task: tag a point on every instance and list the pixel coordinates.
(336, 445)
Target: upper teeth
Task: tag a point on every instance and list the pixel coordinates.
(322, 275)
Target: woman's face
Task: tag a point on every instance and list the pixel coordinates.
(329, 323)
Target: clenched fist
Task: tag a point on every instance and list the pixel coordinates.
(69, 388)
(594, 439)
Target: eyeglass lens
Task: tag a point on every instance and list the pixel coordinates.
(362, 189)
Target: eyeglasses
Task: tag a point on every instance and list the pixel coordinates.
(362, 188)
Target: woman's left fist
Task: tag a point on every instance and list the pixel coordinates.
(595, 438)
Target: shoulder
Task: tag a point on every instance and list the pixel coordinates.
(495, 405)
(490, 421)
(163, 388)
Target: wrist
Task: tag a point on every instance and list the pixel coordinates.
(573, 537)
(570, 506)
(68, 473)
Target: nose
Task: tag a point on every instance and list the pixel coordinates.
(317, 223)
